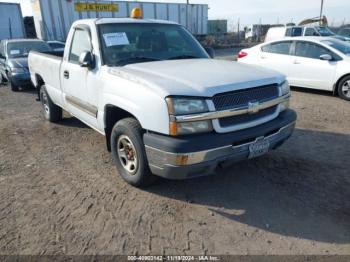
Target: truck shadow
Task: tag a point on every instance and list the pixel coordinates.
(71, 121)
(300, 190)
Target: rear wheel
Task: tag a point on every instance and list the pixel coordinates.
(344, 88)
(52, 112)
(129, 153)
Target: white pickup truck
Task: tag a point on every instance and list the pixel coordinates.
(165, 107)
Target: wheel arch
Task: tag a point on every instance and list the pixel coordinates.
(335, 87)
(112, 114)
(39, 82)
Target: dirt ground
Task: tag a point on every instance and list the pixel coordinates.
(60, 192)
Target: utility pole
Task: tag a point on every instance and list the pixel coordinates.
(238, 31)
(188, 2)
(321, 12)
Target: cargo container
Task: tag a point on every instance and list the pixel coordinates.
(53, 18)
(11, 21)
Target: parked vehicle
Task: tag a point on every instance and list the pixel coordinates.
(57, 45)
(345, 32)
(53, 18)
(256, 32)
(311, 62)
(14, 60)
(276, 33)
(11, 21)
(165, 107)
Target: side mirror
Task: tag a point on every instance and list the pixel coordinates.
(86, 59)
(326, 57)
(1, 56)
(210, 52)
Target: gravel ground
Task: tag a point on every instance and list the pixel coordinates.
(60, 192)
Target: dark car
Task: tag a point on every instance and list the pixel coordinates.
(345, 32)
(14, 60)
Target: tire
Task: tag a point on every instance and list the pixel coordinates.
(344, 88)
(129, 155)
(14, 87)
(52, 112)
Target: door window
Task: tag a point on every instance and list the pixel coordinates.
(81, 43)
(278, 48)
(294, 31)
(310, 32)
(311, 50)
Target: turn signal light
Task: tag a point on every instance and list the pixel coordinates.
(136, 13)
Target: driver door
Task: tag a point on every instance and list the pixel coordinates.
(76, 79)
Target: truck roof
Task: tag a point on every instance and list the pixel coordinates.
(128, 20)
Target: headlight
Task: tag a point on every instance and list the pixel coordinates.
(285, 89)
(18, 70)
(186, 106)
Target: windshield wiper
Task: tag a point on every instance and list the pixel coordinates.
(182, 57)
(138, 59)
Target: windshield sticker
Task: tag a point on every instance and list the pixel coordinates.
(113, 39)
(14, 52)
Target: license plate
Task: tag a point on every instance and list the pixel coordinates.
(259, 147)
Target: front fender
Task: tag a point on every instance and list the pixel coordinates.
(149, 108)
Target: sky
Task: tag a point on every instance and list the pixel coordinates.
(254, 11)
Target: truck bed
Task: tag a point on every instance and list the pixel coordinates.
(46, 66)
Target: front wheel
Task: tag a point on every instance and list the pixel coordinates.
(344, 88)
(129, 153)
(52, 112)
(14, 87)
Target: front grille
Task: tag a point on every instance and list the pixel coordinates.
(241, 98)
(234, 120)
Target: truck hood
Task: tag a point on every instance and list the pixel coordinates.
(197, 77)
(18, 62)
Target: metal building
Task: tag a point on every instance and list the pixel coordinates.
(53, 18)
(11, 21)
(217, 26)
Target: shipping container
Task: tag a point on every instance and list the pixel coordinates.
(53, 18)
(11, 21)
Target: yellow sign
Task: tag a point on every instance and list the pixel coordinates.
(85, 7)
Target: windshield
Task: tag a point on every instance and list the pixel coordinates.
(341, 46)
(21, 49)
(344, 32)
(140, 42)
(324, 31)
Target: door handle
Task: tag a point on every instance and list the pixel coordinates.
(296, 62)
(263, 57)
(66, 74)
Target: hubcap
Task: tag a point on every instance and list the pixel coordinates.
(45, 103)
(127, 154)
(346, 88)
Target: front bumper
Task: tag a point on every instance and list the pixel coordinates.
(20, 79)
(200, 155)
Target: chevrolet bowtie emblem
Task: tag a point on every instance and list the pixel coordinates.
(253, 107)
